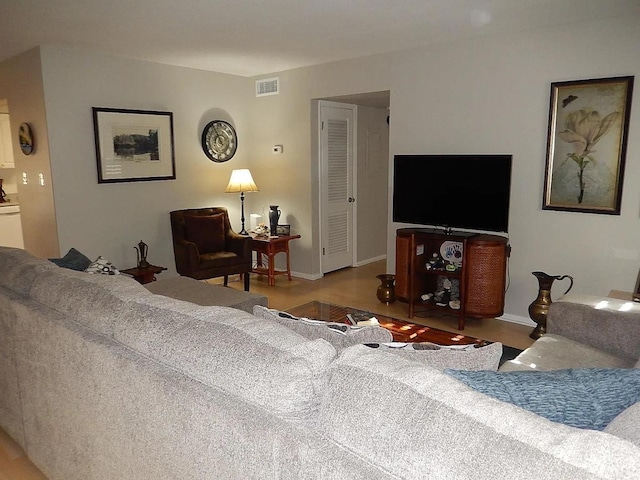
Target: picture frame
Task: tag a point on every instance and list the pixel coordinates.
(636, 293)
(283, 230)
(133, 145)
(587, 144)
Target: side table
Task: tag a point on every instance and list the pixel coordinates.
(269, 247)
(144, 275)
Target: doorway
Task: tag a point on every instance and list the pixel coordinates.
(367, 180)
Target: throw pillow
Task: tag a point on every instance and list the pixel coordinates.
(441, 357)
(73, 260)
(583, 398)
(206, 231)
(103, 266)
(340, 335)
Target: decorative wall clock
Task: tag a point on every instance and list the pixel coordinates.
(25, 138)
(219, 141)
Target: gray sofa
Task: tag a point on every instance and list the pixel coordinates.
(101, 379)
(585, 331)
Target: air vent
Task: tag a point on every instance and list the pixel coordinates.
(267, 86)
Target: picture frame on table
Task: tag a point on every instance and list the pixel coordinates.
(283, 230)
(133, 145)
(587, 144)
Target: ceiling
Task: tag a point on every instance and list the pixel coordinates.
(252, 38)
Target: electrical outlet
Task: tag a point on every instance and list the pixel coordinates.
(277, 149)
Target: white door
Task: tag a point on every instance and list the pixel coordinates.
(337, 202)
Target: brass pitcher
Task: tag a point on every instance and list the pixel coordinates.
(141, 254)
(539, 309)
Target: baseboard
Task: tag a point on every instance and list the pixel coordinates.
(507, 317)
(306, 276)
(370, 260)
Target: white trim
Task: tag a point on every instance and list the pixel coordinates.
(307, 276)
(507, 317)
(370, 260)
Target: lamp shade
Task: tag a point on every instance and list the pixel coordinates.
(241, 181)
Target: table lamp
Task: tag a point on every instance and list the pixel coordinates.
(241, 181)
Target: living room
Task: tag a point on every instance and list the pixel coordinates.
(488, 94)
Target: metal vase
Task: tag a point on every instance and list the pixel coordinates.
(386, 290)
(539, 308)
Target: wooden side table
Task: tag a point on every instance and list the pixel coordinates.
(269, 247)
(144, 275)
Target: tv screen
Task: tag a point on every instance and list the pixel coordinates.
(453, 191)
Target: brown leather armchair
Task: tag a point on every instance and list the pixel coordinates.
(205, 246)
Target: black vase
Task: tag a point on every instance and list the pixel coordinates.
(274, 216)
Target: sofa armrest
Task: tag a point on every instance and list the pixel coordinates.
(601, 322)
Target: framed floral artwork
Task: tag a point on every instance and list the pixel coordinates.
(586, 145)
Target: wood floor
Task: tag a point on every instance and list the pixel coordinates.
(353, 287)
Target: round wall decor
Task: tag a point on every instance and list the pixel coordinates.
(219, 141)
(25, 138)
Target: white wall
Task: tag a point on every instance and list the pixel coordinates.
(372, 185)
(21, 85)
(491, 96)
(482, 96)
(110, 219)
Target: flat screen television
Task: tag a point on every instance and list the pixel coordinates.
(453, 191)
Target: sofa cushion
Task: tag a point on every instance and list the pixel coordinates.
(467, 357)
(206, 231)
(625, 425)
(417, 422)
(203, 293)
(73, 260)
(260, 361)
(340, 335)
(19, 269)
(582, 398)
(102, 266)
(94, 301)
(555, 352)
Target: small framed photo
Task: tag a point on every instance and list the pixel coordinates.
(133, 145)
(283, 230)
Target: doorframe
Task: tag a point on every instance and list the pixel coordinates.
(354, 178)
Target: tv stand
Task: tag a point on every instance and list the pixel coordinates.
(472, 264)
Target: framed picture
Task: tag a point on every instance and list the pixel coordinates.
(636, 292)
(282, 230)
(586, 145)
(133, 145)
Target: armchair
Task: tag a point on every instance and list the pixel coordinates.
(205, 246)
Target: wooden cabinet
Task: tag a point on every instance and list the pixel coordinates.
(461, 274)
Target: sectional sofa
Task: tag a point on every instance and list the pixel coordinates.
(102, 379)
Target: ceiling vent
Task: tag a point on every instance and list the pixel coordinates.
(267, 86)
